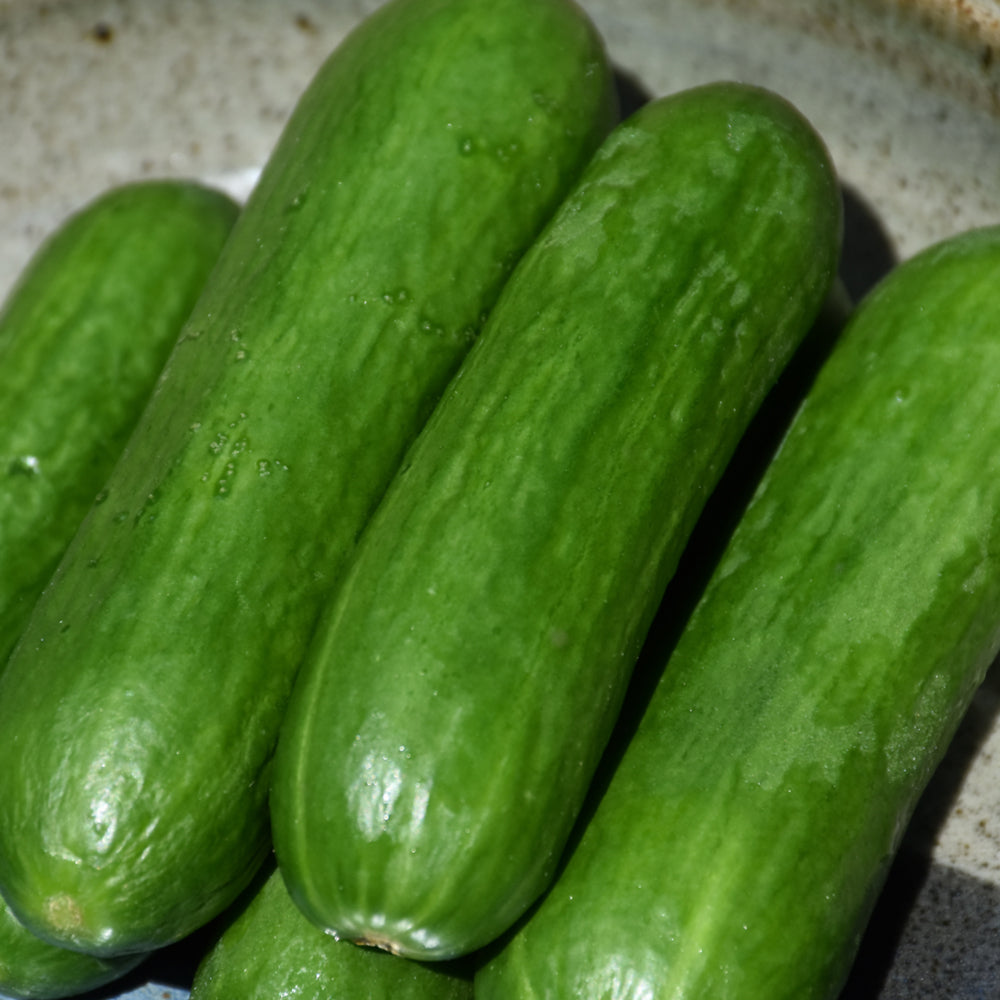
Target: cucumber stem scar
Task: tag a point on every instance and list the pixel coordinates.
(62, 912)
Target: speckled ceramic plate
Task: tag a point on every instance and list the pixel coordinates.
(906, 94)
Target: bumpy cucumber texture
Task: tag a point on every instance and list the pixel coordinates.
(83, 336)
(139, 713)
(740, 843)
(461, 687)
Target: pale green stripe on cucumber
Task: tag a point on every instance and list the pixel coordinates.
(462, 684)
(742, 839)
(269, 949)
(83, 336)
(139, 713)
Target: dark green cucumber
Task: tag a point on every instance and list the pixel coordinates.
(448, 718)
(270, 949)
(32, 969)
(83, 336)
(741, 842)
(139, 713)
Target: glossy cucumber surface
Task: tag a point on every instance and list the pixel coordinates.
(32, 969)
(462, 684)
(271, 950)
(139, 713)
(83, 336)
(740, 843)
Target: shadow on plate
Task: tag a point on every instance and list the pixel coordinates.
(934, 929)
(933, 934)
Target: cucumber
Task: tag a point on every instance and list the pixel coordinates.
(139, 712)
(83, 336)
(269, 949)
(32, 969)
(463, 681)
(741, 841)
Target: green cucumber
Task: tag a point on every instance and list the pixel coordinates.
(32, 969)
(83, 336)
(739, 845)
(447, 720)
(269, 949)
(139, 712)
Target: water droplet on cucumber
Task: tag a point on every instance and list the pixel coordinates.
(24, 465)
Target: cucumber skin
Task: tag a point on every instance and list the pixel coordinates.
(270, 949)
(83, 335)
(32, 969)
(740, 844)
(416, 168)
(447, 721)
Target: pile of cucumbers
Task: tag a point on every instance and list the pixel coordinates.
(334, 528)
